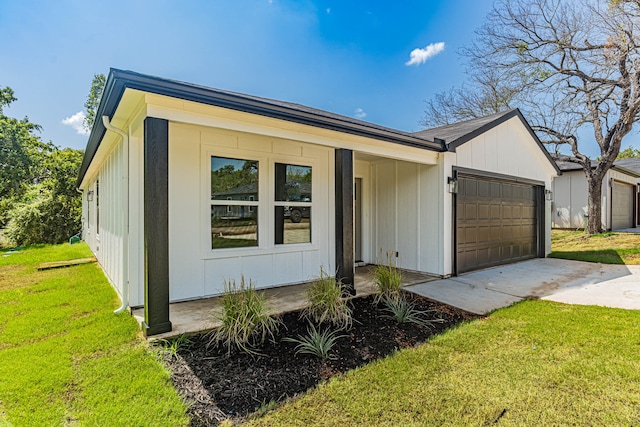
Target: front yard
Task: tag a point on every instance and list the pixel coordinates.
(607, 248)
(535, 363)
(65, 358)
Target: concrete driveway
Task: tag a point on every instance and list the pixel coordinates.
(570, 282)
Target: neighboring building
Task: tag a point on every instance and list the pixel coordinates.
(446, 200)
(620, 203)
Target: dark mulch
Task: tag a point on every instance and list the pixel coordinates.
(224, 385)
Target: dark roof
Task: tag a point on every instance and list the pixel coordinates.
(458, 131)
(251, 188)
(457, 134)
(566, 166)
(627, 166)
(118, 81)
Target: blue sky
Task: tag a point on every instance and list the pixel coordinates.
(349, 57)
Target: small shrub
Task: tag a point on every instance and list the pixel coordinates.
(326, 304)
(316, 342)
(171, 347)
(388, 279)
(404, 312)
(42, 217)
(245, 319)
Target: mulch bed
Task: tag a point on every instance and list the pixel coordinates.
(223, 385)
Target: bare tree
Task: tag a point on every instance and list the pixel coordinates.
(574, 63)
(485, 94)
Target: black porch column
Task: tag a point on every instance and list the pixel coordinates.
(156, 226)
(344, 219)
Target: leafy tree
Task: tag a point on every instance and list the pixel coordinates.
(93, 100)
(22, 152)
(50, 211)
(572, 64)
(38, 201)
(6, 98)
(628, 153)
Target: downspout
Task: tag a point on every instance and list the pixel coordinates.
(125, 212)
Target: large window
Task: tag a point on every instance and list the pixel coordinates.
(234, 203)
(292, 204)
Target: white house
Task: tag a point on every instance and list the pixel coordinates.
(620, 202)
(185, 186)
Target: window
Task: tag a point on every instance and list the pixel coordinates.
(234, 219)
(292, 204)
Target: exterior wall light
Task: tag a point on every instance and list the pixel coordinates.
(548, 195)
(453, 185)
(90, 196)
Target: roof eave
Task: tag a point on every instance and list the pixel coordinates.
(118, 81)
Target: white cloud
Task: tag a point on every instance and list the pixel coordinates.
(359, 113)
(420, 56)
(77, 122)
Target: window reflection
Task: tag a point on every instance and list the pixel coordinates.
(234, 179)
(234, 226)
(293, 225)
(234, 203)
(293, 183)
(293, 186)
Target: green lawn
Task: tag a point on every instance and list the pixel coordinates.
(65, 358)
(607, 248)
(535, 363)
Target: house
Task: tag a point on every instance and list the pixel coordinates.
(620, 202)
(186, 186)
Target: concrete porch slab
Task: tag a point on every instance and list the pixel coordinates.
(571, 282)
(198, 315)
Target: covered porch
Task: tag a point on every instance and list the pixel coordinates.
(190, 317)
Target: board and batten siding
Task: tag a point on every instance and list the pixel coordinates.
(105, 236)
(401, 213)
(571, 194)
(507, 149)
(195, 269)
(570, 201)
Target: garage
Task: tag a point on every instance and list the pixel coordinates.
(497, 221)
(622, 205)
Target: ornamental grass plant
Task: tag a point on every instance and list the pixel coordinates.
(388, 279)
(325, 302)
(246, 321)
(403, 311)
(316, 342)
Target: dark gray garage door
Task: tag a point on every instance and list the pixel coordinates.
(495, 222)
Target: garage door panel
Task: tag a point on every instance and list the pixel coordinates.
(483, 189)
(471, 235)
(484, 211)
(507, 213)
(484, 233)
(495, 190)
(497, 224)
(517, 212)
(470, 211)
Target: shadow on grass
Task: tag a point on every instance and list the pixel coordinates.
(607, 256)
